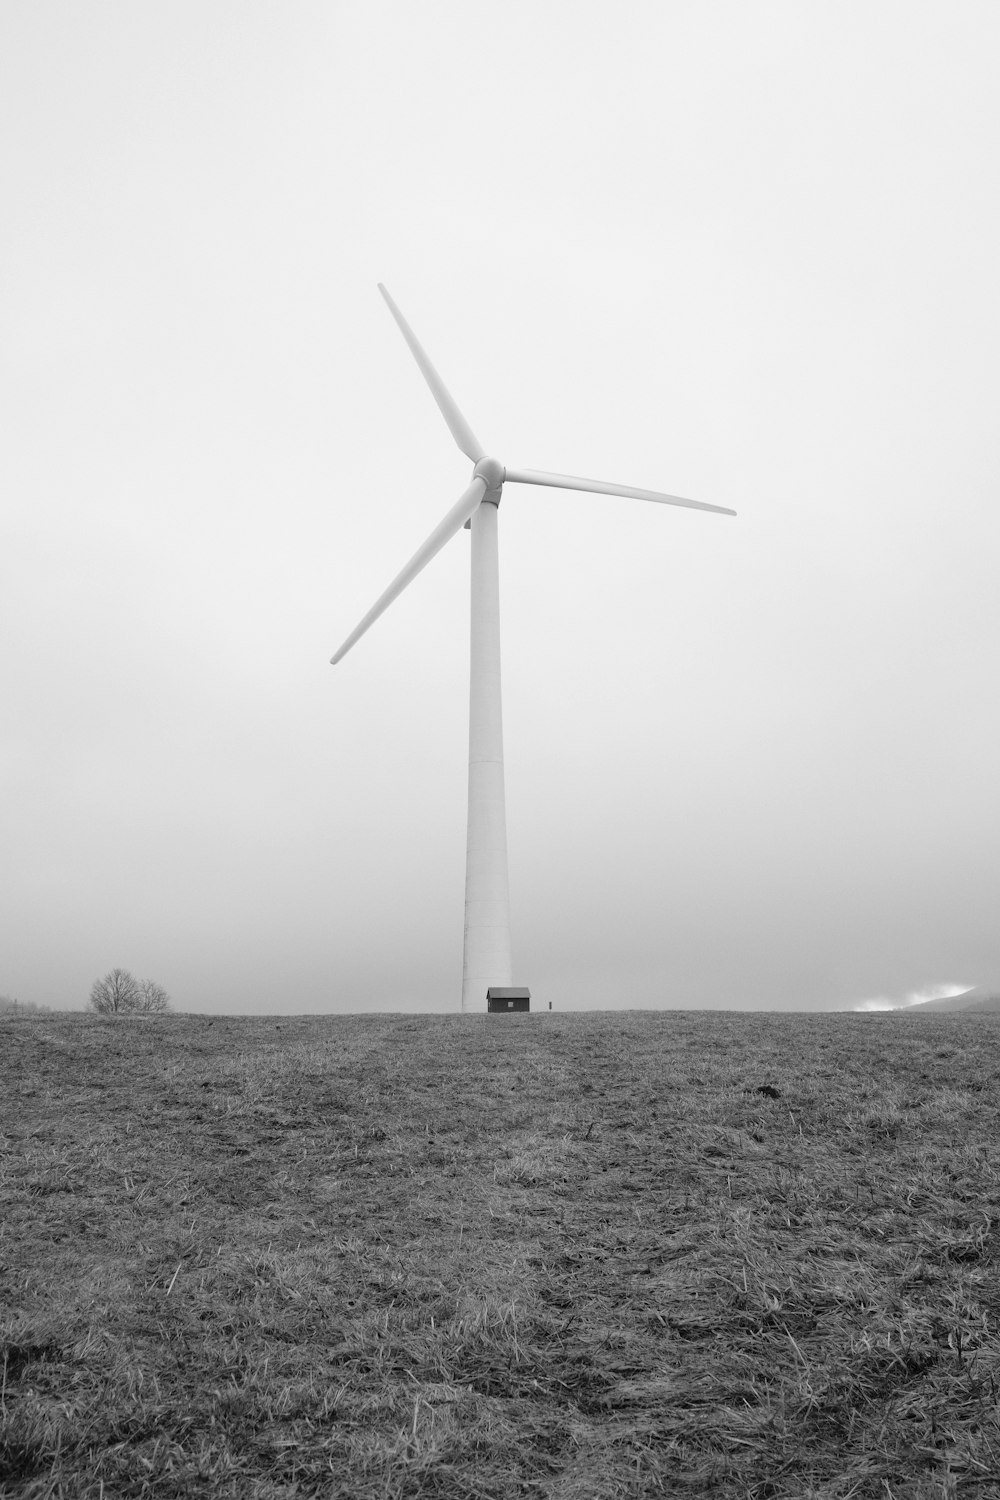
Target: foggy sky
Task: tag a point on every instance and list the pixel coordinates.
(741, 253)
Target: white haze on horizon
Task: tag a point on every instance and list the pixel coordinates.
(916, 997)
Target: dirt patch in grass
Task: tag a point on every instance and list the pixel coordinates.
(553, 1256)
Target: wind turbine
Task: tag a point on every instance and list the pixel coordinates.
(487, 955)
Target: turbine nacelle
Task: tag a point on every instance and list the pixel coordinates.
(492, 472)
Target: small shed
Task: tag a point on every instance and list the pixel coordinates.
(501, 1000)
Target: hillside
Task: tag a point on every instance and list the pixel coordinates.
(541, 1257)
(973, 1002)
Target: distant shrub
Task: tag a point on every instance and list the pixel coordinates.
(22, 1007)
(120, 993)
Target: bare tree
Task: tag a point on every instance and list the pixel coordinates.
(153, 998)
(120, 993)
(116, 993)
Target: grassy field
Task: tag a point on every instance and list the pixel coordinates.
(554, 1256)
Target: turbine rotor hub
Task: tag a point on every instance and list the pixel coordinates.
(493, 473)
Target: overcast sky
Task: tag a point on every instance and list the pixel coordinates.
(742, 252)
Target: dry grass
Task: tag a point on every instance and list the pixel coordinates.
(551, 1256)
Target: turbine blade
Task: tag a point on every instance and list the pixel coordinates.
(460, 429)
(443, 532)
(602, 487)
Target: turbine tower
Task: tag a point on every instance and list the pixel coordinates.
(487, 952)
